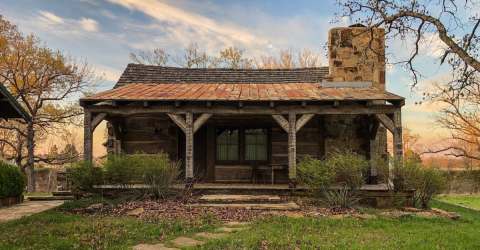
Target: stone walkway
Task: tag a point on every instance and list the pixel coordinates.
(196, 240)
(25, 209)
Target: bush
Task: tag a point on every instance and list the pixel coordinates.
(12, 180)
(341, 198)
(124, 170)
(425, 181)
(315, 174)
(154, 170)
(159, 173)
(83, 176)
(349, 169)
(345, 169)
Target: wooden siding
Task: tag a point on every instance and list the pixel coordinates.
(321, 135)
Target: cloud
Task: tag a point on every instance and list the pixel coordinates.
(50, 21)
(181, 23)
(50, 18)
(88, 24)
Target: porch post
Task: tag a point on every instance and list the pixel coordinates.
(87, 136)
(90, 122)
(189, 149)
(292, 149)
(373, 178)
(397, 137)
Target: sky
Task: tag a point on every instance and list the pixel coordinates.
(104, 33)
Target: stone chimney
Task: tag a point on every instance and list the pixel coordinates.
(357, 54)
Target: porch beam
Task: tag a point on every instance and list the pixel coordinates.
(282, 122)
(292, 149)
(303, 120)
(177, 119)
(386, 122)
(246, 110)
(189, 149)
(97, 119)
(200, 121)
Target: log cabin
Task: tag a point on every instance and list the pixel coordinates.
(254, 125)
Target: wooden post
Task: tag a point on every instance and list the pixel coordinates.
(373, 178)
(189, 127)
(292, 149)
(189, 149)
(397, 137)
(87, 137)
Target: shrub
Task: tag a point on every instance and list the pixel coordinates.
(159, 173)
(425, 181)
(12, 180)
(123, 170)
(349, 169)
(315, 174)
(83, 176)
(341, 198)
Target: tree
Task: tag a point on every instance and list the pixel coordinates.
(456, 25)
(229, 57)
(43, 80)
(414, 21)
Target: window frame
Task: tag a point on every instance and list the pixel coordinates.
(241, 146)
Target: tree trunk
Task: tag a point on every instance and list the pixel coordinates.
(30, 162)
(19, 156)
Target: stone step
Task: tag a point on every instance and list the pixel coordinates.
(239, 198)
(62, 193)
(252, 206)
(50, 198)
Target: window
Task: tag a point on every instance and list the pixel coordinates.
(242, 144)
(227, 144)
(256, 144)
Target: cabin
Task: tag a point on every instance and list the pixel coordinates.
(9, 107)
(236, 126)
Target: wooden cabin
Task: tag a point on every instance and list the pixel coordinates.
(254, 125)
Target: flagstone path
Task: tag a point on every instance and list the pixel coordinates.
(26, 208)
(197, 239)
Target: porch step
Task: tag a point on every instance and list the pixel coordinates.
(50, 198)
(252, 206)
(239, 198)
(62, 193)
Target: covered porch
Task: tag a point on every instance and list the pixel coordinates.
(231, 140)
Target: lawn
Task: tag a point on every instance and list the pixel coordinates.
(350, 233)
(472, 201)
(59, 230)
(56, 229)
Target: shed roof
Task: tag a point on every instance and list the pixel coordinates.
(139, 73)
(9, 107)
(240, 92)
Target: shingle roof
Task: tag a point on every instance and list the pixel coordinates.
(240, 92)
(139, 73)
(9, 107)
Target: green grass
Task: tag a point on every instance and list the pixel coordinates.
(56, 229)
(472, 201)
(381, 233)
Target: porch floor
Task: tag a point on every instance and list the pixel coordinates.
(237, 186)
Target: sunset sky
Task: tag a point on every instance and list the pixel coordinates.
(105, 32)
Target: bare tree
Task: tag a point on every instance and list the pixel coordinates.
(43, 80)
(461, 116)
(157, 56)
(456, 24)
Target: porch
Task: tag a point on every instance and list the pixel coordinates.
(237, 138)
